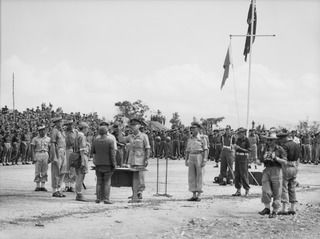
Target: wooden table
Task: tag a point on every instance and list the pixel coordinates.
(122, 177)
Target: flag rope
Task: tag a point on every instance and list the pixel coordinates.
(234, 83)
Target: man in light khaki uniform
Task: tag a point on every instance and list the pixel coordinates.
(71, 135)
(139, 153)
(195, 160)
(40, 148)
(84, 154)
(58, 157)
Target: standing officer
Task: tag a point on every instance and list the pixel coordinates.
(84, 154)
(139, 153)
(317, 148)
(40, 148)
(176, 138)
(25, 146)
(254, 141)
(290, 171)
(71, 134)
(242, 148)
(217, 144)
(227, 156)
(58, 157)
(196, 157)
(307, 147)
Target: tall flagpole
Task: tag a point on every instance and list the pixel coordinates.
(13, 105)
(0, 54)
(250, 58)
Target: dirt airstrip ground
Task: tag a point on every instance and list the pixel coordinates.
(28, 214)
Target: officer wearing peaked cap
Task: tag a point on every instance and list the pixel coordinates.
(195, 160)
(70, 176)
(139, 153)
(58, 157)
(82, 149)
(227, 156)
(242, 148)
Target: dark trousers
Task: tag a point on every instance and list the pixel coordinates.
(241, 172)
(176, 148)
(104, 175)
(217, 152)
(182, 148)
(226, 164)
(158, 149)
(168, 150)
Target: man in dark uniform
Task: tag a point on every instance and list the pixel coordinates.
(242, 148)
(176, 143)
(158, 145)
(162, 144)
(217, 145)
(316, 148)
(307, 147)
(227, 156)
(184, 139)
(289, 171)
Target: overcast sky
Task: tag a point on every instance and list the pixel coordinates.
(87, 55)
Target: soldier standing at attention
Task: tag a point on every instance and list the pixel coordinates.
(70, 177)
(307, 147)
(217, 144)
(196, 157)
(289, 171)
(58, 157)
(317, 148)
(254, 141)
(176, 138)
(40, 148)
(84, 154)
(227, 156)
(25, 146)
(242, 148)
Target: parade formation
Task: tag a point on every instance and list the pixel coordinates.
(67, 142)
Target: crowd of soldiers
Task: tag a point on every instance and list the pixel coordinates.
(172, 144)
(18, 129)
(75, 138)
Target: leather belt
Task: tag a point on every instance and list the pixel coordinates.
(196, 152)
(238, 153)
(42, 151)
(292, 163)
(227, 147)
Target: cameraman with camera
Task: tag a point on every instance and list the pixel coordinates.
(274, 157)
